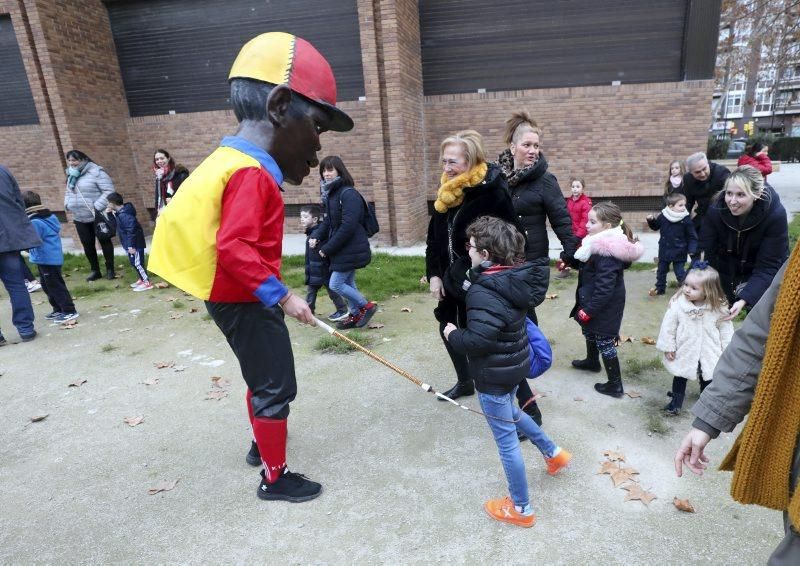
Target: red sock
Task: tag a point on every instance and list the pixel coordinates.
(271, 439)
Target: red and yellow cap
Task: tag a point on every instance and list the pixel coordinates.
(279, 58)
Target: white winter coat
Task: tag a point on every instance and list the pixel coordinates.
(695, 334)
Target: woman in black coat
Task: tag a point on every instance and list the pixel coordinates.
(537, 198)
(168, 178)
(343, 239)
(469, 188)
(745, 236)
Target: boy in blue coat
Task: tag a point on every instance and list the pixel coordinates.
(678, 239)
(131, 236)
(49, 257)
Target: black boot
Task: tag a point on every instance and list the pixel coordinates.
(460, 389)
(253, 456)
(110, 275)
(94, 275)
(673, 408)
(613, 387)
(592, 361)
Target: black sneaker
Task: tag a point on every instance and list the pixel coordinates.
(254, 456)
(110, 275)
(289, 487)
(94, 276)
(28, 337)
(366, 313)
(53, 315)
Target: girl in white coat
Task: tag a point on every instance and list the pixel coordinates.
(694, 332)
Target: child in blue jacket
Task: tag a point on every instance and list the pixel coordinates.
(131, 236)
(49, 257)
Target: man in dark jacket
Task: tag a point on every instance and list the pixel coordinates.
(703, 180)
(16, 233)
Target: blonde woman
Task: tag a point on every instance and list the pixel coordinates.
(468, 188)
(745, 237)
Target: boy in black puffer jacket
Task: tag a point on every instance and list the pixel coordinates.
(317, 270)
(495, 342)
(678, 239)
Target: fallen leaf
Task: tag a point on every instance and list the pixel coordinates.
(178, 368)
(614, 456)
(193, 309)
(648, 340)
(77, 383)
(162, 365)
(423, 280)
(175, 315)
(633, 394)
(577, 399)
(133, 421)
(553, 296)
(151, 381)
(406, 309)
(635, 492)
(220, 382)
(623, 338)
(621, 476)
(608, 467)
(375, 326)
(161, 285)
(216, 394)
(106, 306)
(39, 418)
(69, 325)
(683, 505)
(163, 485)
(395, 296)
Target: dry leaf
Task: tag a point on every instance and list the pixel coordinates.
(39, 418)
(163, 485)
(635, 492)
(553, 296)
(623, 338)
(162, 365)
(69, 325)
(175, 315)
(216, 394)
(406, 309)
(133, 421)
(161, 285)
(683, 505)
(151, 381)
(193, 309)
(395, 296)
(423, 280)
(648, 340)
(220, 382)
(375, 326)
(608, 467)
(614, 456)
(77, 383)
(106, 306)
(577, 399)
(633, 394)
(623, 475)
(170, 299)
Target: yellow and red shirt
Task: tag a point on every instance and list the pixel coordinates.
(220, 239)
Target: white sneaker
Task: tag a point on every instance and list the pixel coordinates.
(33, 286)
(145, 286)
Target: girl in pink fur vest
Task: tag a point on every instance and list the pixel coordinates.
(608, 249)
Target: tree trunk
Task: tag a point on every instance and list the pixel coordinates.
(753, 60)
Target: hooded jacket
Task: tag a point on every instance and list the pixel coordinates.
(579, 213)
(601, 286)
(129, 230)
(317, 270)
(94, 185)
(495, 339)
(49, 229)
(747, 250)
(760, 161)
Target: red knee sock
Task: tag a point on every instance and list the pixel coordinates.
(271, 439)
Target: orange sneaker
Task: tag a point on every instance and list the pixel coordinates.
(503, 511)
(558, 462)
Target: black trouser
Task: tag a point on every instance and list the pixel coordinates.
(449, 310)
(87, 236)
(260, 340)
(26, 271)
(55, 288)
(663, 268)
(311, 298)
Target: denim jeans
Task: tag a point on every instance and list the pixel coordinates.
(505, 436)
(344, 283)
(14, 282)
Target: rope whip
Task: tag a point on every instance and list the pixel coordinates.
(415, 380)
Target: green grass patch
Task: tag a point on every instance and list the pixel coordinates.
(178, 304)
(332, 345)
(206, 317)
(634, 367)
(108, 348)
(794, 231)
(656, 423)
(86, 289)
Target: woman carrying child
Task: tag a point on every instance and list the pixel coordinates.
(694, 332)
(605, 253)
(495, 341)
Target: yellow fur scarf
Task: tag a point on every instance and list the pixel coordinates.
(451, 192)
(761, 458)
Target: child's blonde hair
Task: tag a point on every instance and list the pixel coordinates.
(711, 284)
(609, 213)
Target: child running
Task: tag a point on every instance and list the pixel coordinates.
(131, 236)
(605, 253)
(678, 239)
(495, 340)
(694, 332)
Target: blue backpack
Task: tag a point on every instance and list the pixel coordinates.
(541, 353)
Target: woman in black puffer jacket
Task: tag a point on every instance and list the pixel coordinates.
(343, 239)
(745, 236)
(536, 197)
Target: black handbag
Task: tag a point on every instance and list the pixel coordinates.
(105, 227)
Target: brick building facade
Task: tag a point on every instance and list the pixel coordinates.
(619, 137)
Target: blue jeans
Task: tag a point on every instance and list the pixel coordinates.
(505, 436)
(344, 283)
(14, 282)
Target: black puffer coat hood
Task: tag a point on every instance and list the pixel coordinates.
(495, 339)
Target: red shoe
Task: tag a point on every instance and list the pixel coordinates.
(366, 313)
(503, 510)
(350, 322)
(558, 462)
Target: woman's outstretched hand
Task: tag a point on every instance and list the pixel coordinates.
(691, 452)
